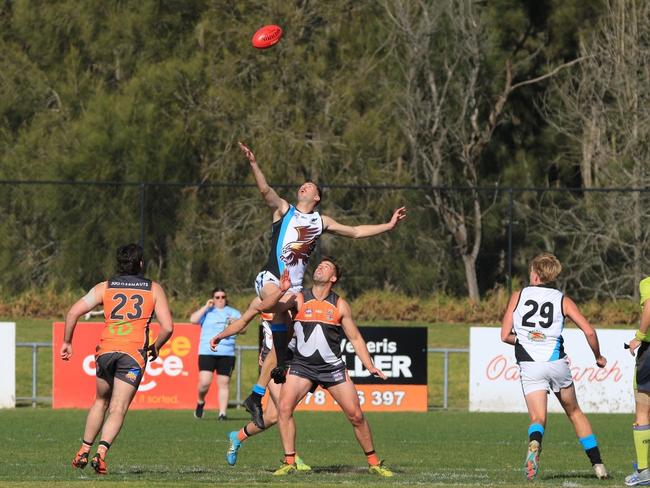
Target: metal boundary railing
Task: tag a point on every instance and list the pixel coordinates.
(34, 399)
(445, 369)
(35, 346)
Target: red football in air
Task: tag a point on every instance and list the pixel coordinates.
(267, 36)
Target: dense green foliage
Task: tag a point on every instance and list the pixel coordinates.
(160, 91)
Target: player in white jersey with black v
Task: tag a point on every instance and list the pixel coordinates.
(296, 229)
(533, 323)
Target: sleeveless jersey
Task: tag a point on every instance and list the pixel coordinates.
(293, 239)
(538, 321)
(128, 308)
(318, 333)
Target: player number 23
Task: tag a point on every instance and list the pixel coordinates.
(138, 300)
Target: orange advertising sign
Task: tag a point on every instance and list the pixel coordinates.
(169, 382)
(373, 398)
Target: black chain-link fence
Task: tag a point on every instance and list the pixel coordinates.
(64, 234)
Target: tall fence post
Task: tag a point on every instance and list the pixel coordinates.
(143, 187)
(34, 373)
(238, 375)
(445, 382)
(510, 217)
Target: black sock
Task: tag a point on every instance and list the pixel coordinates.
(535, 436)
(280, 346)
(594, 455)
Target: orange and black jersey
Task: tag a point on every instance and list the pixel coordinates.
(128, 309)
(318, 332)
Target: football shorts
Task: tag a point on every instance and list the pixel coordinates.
(642, 369)
(316, 376)
(223, 365)
(120, 365)
(545, 375)
(265, 277)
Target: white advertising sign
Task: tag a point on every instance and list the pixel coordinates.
(7, 365)
(494, 384)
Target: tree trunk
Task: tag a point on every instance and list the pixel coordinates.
(471, 277)
(638, 244)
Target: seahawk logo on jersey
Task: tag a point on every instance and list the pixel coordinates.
(537, 336)
(302, 247)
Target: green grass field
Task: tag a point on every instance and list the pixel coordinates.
(171, 448)
(439, 448)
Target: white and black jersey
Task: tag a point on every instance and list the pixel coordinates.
(318, 334)
(293, 239)
(538, 321)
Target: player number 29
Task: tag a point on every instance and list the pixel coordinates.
(545, 311)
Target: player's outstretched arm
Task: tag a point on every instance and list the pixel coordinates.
(507, 334)
(572, 311)
(272, 199)
(81, 307)
(360, 231)
(270, 300)
(164, 316)
(354, 336)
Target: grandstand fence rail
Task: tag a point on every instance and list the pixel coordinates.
(35, 398)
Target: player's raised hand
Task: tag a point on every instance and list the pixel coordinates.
(249, 154)
(214, 342)
(285, 280)
(398, 216)
(378, 373)
(66, 351)
(601, 362)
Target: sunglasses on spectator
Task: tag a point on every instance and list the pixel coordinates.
(217, 297)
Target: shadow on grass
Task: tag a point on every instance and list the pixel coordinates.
(336, 469)
(556, 476)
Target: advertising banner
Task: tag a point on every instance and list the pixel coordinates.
(169, 382)
(401, 353)
(494, 373)
(7, 364)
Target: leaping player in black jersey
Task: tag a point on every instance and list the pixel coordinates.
(296, 228)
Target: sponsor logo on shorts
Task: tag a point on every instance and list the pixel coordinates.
(536, 336)
(133, 374)
(338, 375)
